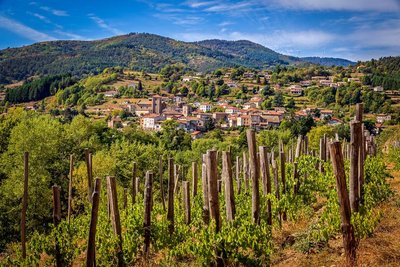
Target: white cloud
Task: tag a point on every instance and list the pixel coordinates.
(23, 30)
(41, 17)
(102, 24)
(55, 12)
(70, 36)
(180, 19)
(352, 5)
(196, 4)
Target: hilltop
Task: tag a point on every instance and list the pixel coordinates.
(138, 51)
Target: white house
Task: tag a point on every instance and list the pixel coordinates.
(205, 107)
(151, 121)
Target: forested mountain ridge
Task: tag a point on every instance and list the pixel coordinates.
(138, 51)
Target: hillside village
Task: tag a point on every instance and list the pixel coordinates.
(227, 98)
(196, 116)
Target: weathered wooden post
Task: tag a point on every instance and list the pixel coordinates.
(177, 170)
(296, 178)
(238, 174)
(186, 201)
(229, 193)
(212, 175)
(298, 146)
(306, 152)
(134, 191)
(355, 130)
(266, 178)
(24, 205)
(148, 192)
(349, 241)
(283, 177)
(115, 218)
(245, 172)
(322, 154)
(171, 181)
(194, 178)
(204, 181)
(88, 159)
(361, 144)
(137, 186)
(255, 175)
(91, 248)
(71, 169)
(160, 173)
(57, 219)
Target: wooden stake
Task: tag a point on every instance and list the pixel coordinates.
(245, 172)
(238, 174)
(186, 201)
(115, 219)
(134, 191)
(171, 181)
(349, 241)
(355, 130)
(88, 159)
(255, 175)
(229, 194)
(204, 181)
(266, 178)
(148, 194)
(160, 173)
(194, 178)
(212, 175)
(137, 186)
(91, 248)
(24, 204)
(283, 177)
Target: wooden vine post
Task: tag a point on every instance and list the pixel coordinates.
(245, 172)
(71, 169)
(160, 173)
(24, 205)
(283, 177)
(134, 192)
(115, 219)
(212, 175)
(349, 241)
(148, 192)
(255, 175)
(57, 219)
(362, 150)
(355, 131)
(322, 154)
(194, 178)
(91, 248)
(229, 193)
(186, 201)
(88, 159)
(238, 174)
(266, 178)
(204, 184)
(171, 181)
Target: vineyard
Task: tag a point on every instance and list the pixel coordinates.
(217, 205)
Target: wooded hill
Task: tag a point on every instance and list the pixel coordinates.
(138, 51)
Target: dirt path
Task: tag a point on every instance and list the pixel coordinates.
(381, 249)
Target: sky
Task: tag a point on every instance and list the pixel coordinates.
(352, 29)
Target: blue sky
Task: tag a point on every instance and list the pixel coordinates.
(353, 29)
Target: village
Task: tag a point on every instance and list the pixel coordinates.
(196, 116)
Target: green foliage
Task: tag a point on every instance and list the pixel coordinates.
(38, 89)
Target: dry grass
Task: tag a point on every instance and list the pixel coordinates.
(381, 249)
